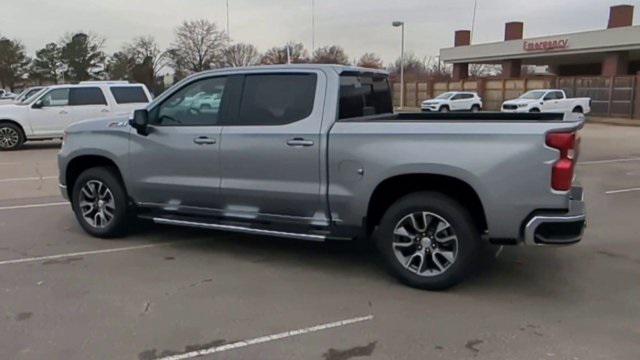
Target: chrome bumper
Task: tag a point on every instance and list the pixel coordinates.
(558, 228)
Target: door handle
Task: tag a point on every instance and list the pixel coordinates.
(104, 110)
(63, 112)
(204, 140)
(299, 142)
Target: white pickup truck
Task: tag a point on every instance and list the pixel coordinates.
(45, 115)
(547, 100)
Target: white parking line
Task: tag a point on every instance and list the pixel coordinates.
(9, 163)
(83, 253)
(610, 192)
(31, 178)
(610, 161)
(264, 339)
(29, 206)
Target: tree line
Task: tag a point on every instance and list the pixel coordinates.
(198, 45)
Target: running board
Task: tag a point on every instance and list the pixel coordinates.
(240, 229)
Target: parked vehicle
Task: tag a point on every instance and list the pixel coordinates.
(454, 101)
(315, 152)
(46, 115)
(547, 100)
(24, 95)
(6, 95)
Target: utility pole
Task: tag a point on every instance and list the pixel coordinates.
(401, 25)
(473, 20)
(228, 32)
(313, 26)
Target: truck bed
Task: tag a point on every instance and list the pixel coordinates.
(460, 116)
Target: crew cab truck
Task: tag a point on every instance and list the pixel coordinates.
(46, 114)
(453, 101)
(547, 100)
(315, 152)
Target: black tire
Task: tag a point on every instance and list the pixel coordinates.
(475, 108)
(577, 110)
(534, 110)
(117, 225)
(11, 136)
(461, 223)
(444, 109)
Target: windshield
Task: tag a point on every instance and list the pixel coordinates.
(30, 98)
(25, 95)
(532, 95)
(444, 96)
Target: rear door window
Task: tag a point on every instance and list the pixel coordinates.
(129, 94)
(276, 99)
(364, 94)
(86, 96)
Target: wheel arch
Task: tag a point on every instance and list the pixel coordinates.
(9, 121)
(83, 162)
(393, 188)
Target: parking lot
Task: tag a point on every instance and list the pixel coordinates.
(165, 291)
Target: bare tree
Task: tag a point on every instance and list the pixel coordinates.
(330, 55)
(436, 69)
(370, 60)
(145, 48)
(414, 67)
(198, 46)
(278, 55)
(238, 55)
(484, 70)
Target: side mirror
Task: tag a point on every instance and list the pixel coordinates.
(140, 121)
(38, 105)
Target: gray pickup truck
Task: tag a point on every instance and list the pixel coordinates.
(315, 152)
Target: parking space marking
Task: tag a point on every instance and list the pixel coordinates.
(610, 161)
(31, 178)
(83, 253)
(267, 338)
(29, 206)
(9, 163)
(610, 192)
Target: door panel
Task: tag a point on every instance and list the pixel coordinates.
(53, 115)
(270, 156)
(177, 165)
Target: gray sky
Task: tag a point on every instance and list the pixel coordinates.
(357, 25)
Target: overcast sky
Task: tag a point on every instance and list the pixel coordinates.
(357, 25)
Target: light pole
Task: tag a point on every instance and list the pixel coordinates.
(473, 20)
(313, 26)
(228, 33)
(401, 25)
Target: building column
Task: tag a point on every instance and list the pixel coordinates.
(615, 64)
(461, 70)
(513, 30)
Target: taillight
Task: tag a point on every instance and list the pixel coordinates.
(562, 171)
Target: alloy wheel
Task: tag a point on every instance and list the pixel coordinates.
(96, 204)
(425, 243)
(9, 137)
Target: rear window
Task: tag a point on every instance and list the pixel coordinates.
(86, 96)
(129, 94)
(364, 94)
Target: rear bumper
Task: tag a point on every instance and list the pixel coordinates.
(549, 228)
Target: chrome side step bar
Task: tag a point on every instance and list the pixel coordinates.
(240, 229)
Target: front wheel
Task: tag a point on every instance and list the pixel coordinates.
(11, 136)
(100, 203)
(428, 240)
(444, 109)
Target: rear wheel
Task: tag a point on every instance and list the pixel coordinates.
(475, 108)
(100, 203)
(577, 110)
(428, 240)
(11, 136)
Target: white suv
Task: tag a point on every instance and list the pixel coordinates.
(454, 101)
(46, 115)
